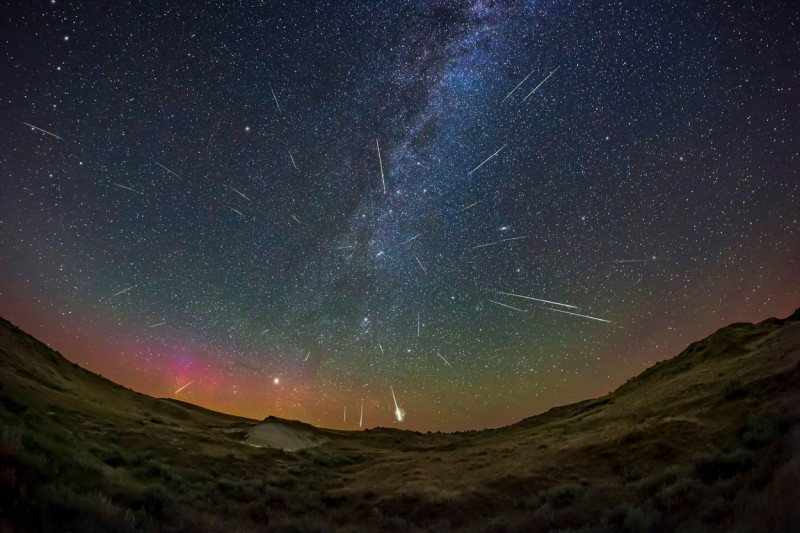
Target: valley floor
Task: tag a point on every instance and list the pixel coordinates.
(706, 441)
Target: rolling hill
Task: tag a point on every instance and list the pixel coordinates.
(705, 441)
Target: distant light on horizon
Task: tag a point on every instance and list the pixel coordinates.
(426, 195)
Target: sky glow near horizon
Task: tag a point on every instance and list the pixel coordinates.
(483, 210)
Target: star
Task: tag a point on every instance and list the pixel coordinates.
(416, 184)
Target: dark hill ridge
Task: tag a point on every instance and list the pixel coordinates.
(27, 365)
(705, 441)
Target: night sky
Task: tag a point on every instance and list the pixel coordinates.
(298, 207)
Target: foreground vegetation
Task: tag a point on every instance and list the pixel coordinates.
(719, 452)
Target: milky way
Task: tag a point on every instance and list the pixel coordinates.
(299, 207)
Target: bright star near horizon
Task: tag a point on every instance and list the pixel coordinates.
(429, 184)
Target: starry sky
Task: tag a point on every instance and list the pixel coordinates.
(303, 208)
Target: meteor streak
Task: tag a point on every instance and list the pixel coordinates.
(381, 347)
(539, 300)
(275, 98)
(498, 242)
(576, 314)
(123, 290)
(361, 418)
(380, 161)
(306, 359)
(237, 211)
(44, 131)
(418, 323)
(542, 83)
(293, 163)
(629, 261)
(420, 264)
(165, 168)
(177, 391)
(486, 160)
(156, 325)
(412, 238)
(442, 358)
(124, 187)
(510, 307)
(470, 205)
(517, 87)
(398, 413)
(345, 414)
(240, 194)
(296, 219)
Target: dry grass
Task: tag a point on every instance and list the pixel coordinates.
(699, 442)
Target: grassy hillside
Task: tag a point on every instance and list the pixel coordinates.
(704, 441)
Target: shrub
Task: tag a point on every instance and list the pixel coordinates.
(652, 484)
(273, 497)
(562, 495)
(733, 391)
(10, 440)
(156, 500)
(114, 458)
(682, 490)
(151, 469)
(331, 460)
(757, 430)
(642, 519)
(12, 405)
(715, 464)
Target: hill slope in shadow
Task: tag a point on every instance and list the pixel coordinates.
(707, 440)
